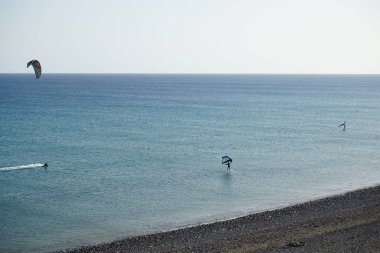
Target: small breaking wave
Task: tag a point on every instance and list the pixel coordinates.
(20, 167)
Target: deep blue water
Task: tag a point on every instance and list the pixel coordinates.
(132, 154)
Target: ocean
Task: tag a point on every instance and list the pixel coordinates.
(131, 154)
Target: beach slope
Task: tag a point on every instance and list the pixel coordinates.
(343, 223)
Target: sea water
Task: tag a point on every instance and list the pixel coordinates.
(135, 154)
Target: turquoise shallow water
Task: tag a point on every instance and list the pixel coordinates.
(132, 154)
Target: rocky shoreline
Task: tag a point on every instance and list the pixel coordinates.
(344, 223)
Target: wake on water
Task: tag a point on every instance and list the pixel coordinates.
(20, 167)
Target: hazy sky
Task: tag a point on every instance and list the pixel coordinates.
(195, 36)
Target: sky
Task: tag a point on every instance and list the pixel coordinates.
(191, 36)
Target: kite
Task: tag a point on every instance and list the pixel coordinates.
(37, 67)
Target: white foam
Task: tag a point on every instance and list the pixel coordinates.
(20, 167)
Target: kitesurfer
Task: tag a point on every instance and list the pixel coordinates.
(45, 165)
(343, 125)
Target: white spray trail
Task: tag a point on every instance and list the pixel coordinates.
(20, 167)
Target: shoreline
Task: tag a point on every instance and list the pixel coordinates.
(335, 223)
(238, 215)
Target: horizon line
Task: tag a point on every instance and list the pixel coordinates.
(185, 73)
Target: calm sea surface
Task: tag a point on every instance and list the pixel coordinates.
(133, 154)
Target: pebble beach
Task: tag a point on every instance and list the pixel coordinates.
(344, 223)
